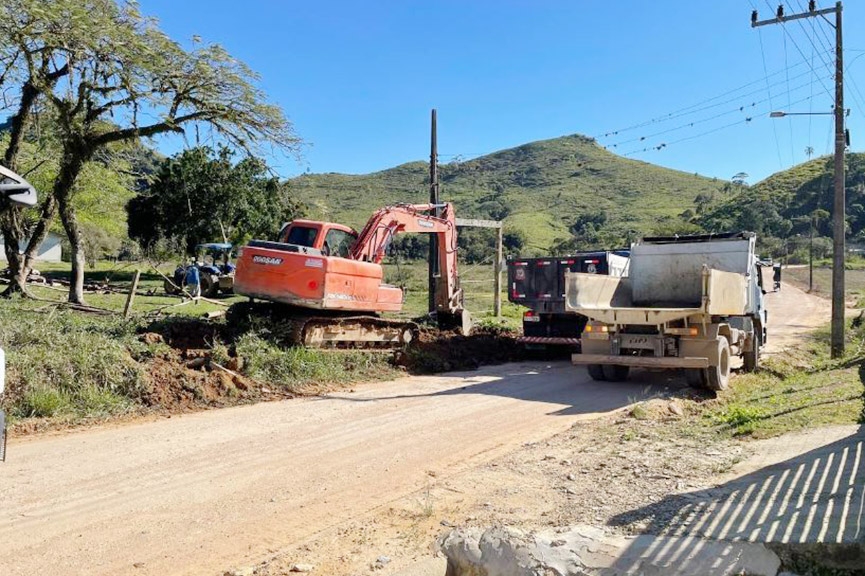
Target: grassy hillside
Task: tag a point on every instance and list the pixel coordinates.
(783, 205)
(539, 188)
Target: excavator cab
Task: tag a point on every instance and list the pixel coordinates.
(325, 238)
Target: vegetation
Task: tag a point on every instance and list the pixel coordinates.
(544, 191)
(92, 67)
(201, 195)
(784, 208)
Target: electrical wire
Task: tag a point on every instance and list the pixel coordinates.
(747, 120)
(802, 54)
(707, 119)
(769, 91)
(704, 104)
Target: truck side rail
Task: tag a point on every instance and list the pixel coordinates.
(608, 299)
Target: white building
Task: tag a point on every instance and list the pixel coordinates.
(48, 252)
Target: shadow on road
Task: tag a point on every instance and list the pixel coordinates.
(557, 383)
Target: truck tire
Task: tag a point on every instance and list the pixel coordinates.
(695, 377)
(596, 371)
(751, 360)
(717, 377)
(615, 373)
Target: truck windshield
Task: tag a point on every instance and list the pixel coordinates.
(300, 236)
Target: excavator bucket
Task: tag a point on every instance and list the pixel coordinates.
(459, 320)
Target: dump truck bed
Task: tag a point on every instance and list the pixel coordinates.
(610, 300)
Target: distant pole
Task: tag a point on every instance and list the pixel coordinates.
(811, 255)
(497, 298)
(838, 215)
(434, 199)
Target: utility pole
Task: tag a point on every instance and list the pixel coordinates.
(838, 216)
(434, 199)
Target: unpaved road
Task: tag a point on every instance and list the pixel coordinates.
(202, 492)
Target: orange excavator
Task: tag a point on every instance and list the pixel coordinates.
(329, 279)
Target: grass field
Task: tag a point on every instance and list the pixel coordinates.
(854, 280)
(477, 282)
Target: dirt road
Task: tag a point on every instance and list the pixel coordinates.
(199, 493)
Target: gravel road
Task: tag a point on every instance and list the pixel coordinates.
(197, 493)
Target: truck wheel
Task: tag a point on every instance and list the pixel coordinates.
(695, 377)
(717, 377)
(615, 373)
(596, 371)
(751, 360)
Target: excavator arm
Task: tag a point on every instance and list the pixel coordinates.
(386, 223)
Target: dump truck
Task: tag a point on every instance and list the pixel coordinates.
(539, 285)
(689, 303)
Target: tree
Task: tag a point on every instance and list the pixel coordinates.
(739, 178)
(809, 151)
(201, 195)
(124, 80)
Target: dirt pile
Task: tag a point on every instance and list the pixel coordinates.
(191, 369)
(437, 351)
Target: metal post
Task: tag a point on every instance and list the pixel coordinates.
(838, 217)
(434, 199)
(497, 284)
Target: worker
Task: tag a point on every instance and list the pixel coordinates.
(193, 280)
(776, 276)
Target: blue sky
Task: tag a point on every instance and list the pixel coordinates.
(358, 79)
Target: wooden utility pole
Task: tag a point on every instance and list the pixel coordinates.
(434, 199)
(839, 224)
(497, 285)
(838, 212)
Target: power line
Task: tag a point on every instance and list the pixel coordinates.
(769, 91)
(747, 120)
(742, 108)
(802, 54)
(699, 106)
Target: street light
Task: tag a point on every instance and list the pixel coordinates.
(781, 114)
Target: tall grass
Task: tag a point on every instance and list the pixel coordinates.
(64, 363)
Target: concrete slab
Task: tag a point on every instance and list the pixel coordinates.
(590, 551)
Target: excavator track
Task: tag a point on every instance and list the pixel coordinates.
(295, 327)
(354, 332)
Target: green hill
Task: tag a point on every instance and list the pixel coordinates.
(781, 206)
(547, 190)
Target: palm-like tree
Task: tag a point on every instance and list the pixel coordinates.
(809, 151)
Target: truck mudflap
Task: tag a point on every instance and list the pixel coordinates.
(641, 361)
